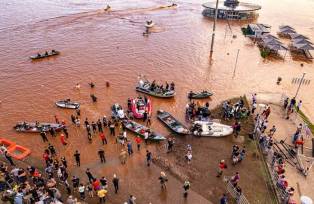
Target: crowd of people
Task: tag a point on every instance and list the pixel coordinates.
(196, 111)
(236, 110)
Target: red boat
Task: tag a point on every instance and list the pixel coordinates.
(139, 105)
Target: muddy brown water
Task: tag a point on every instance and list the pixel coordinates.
(99, 46)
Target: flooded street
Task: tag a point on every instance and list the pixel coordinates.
(109, 47)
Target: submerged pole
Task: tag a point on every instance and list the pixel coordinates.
(214, 29)
(235, 65)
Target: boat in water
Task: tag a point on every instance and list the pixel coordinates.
(149, 24)
(67, 104)
(139, 105)
(199, 95)
(146, 87)
(44, 55)
(37, 127)
(211, 129)
(172, 123)
(117, 111)
(141, 129)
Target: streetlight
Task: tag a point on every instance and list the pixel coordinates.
(296, 94)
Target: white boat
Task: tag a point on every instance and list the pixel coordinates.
(211, 129)
(149, 24)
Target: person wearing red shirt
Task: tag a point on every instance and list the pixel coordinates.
(62, 139)
(96, 184)
(138, 141)
(103, 138)
(221, 167)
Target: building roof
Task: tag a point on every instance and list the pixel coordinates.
(240, 7)
(276, 47)
(259, 27)
(298, 36)
(303, 46)
(301, 41)
(283, 27)
(286, 31)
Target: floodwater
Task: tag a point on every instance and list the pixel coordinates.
(99, 46)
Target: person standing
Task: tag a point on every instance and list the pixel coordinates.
(163, 179)
(81, 190)
(77, 156)
(149, 122)
(148, 157)
(146, 136)
(130, 149)
(145, 115)
(94, 126)
(101, 154)
(103, 138)
(52, 150)
(131, 199)
(89, 175)
(186, 187)
(224, 199)
(138, 141)
(285, 103)
(102, 195)
(9, 158)
(99, 125)
(123, 156)
(73, 119)
(44, 136)
(299, 105)
(170, 144)
(62, 139)
(221, 168)
(115, 182)
(57, 120)
(64, 162)
(112, 131)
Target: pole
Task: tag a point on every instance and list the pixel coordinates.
(296, 94)
(214, 29)
(235, 65)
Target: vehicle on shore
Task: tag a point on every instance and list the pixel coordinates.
(149, 88)
(139, 105)
(140, 130)
(67, 104)
(37, 127)
(210, 129)
(199, 95)
(172, 123)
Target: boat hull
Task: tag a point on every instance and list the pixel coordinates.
(172, 123)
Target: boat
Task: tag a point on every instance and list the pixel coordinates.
(33, 127)
(139, 105)
(144, 86)
(172, 123)
(174, 5)
(67, 104)
(149, 24)
(211, 129)
(200, 95)
(141, 129)
(108, 8)
(44, 55)
(117, 111)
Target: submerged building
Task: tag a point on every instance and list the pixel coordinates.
(231, 10)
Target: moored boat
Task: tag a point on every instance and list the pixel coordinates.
(211, 129)
(146, 87)
(141, 129)
(172, 123)
(138, 106)
(200, 95)
(117, 111)
(44, 55)
(37, 127)
(67, 104)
